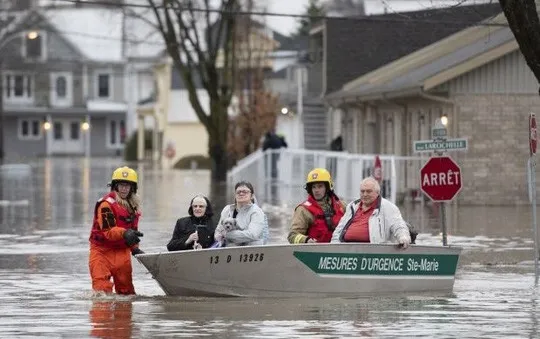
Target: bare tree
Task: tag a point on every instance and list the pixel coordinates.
(200, 41)
(522, 17)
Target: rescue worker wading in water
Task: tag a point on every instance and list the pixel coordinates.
(114, 236)
(315, 219)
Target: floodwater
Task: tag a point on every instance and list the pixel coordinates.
(45, 287)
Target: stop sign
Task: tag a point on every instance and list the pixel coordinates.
(440, 178)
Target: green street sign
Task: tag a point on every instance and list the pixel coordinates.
(439, 132)
(379, 264)
(443, 145)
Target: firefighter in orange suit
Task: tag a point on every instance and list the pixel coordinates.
(115, 236)
(315, 219)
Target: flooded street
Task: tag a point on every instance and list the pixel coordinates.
(46, 290)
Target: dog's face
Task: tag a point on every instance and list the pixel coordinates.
(229, 224)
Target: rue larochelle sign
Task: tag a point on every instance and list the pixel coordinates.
(440, 143)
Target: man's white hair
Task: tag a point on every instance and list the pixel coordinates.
(373, 181)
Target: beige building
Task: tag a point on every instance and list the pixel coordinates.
(479, 79)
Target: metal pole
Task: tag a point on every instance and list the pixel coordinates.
(532, 164)
(443, 223)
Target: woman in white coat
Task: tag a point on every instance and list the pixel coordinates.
(249, 218)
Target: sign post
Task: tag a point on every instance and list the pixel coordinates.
(532, 187)
(440, 177)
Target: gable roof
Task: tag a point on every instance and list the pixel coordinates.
(106, 34)
(433, 65)
(356, 47)
(433, 72)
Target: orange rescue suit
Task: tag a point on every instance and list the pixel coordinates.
(319, 230)
(110, 257)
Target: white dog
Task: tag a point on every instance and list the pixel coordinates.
(228, 224)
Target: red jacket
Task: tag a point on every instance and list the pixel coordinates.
(122, 217)
(319, 230)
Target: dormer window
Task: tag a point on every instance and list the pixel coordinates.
(33, 46)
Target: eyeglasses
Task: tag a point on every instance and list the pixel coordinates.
(198, 206)
(243, 192)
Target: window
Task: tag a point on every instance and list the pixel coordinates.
(29, 129)
(33, 46)
(61, 87)
(104, 90)
(58, 131)
(75, 130)
(116, 133)
(18, 87)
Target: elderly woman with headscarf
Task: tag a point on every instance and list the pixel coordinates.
(196, 230)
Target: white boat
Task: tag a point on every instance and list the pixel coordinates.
(307, 270)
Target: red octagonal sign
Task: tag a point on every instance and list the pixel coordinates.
(440, 178)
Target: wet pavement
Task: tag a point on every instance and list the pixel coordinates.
(46, 293)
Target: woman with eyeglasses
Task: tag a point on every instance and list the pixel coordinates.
(195, 231)
(250, 219)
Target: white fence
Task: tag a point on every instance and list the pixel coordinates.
(280, 175)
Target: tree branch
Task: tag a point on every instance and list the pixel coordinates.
(522, 16)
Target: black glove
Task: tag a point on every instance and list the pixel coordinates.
(132, 237)
(136, 251)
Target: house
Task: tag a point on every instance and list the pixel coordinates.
(342, 50)
(479, 80)
(68, 83)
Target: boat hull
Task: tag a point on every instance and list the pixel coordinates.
(305, 270)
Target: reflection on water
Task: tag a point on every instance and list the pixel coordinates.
(111, 318)
(46, 287)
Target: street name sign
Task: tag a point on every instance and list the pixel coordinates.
(425, 146)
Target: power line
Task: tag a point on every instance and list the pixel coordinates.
(369, 18)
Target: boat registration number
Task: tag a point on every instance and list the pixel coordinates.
(242, 257)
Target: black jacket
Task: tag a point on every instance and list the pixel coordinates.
(186, 226)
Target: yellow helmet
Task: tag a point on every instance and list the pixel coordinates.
(125, 174)
(319, 175)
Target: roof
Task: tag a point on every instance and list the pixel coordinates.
(381, 39)
(98, 32)
(427, 75)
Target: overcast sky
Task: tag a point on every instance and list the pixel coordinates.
(288, 25)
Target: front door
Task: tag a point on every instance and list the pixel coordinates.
(66, 137)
